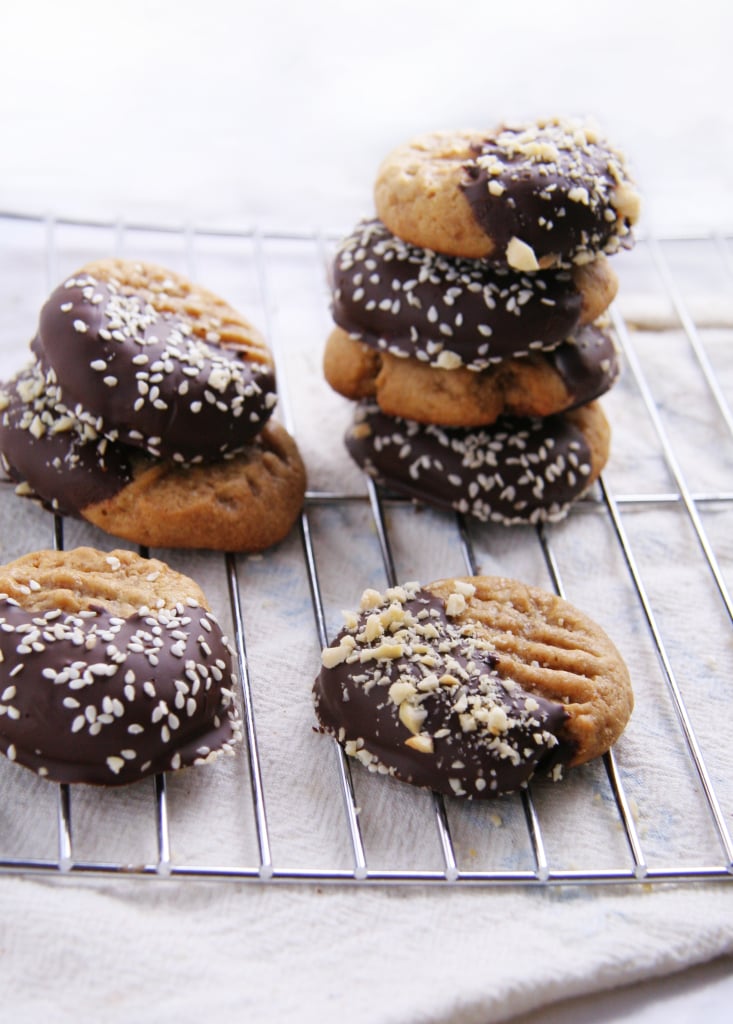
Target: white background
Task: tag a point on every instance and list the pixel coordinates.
(279, 112)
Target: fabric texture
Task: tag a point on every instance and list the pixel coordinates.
(146, 952)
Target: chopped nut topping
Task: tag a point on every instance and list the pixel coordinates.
(332, 656)
(456, 605)
(448, 360)
(412, 717)
(521, 256)
(423, 744)
(370, 599)
(387, 651)
(400, 691)
(482, 727)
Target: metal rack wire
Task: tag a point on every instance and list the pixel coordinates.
(715, 862)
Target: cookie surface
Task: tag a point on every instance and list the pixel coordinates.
(528, 196)
(113, 668)
(245, 502)
(418, 196)
(451, 312)
(158, 362)
(471, 686)
(577, 371)
(516, 471)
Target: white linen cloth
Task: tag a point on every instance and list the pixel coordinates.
(291, 110)
(150, 953)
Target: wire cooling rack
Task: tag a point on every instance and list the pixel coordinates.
(647, 553)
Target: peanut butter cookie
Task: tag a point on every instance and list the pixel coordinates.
(515, 471)
(471, 686)
(529, 196)
(113, 667)
(155, 361)
(244, 502)
(577, 371)
(452, 312)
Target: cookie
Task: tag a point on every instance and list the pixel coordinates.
(452, 312)
(245, 502)
(113, 668)
(155, 361)
(471, 686)
(516, 471)
(532, 195)
(577, 371)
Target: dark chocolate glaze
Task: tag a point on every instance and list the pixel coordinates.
(65, 462)
(562, 205)
(515, 471)
(147, 376)
(415, 302)
(95, 698)
(487, 736)
(587, 363)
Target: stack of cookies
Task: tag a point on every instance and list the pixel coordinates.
(145, 409)
(470, 318)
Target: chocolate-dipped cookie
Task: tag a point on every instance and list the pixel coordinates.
(516, 471)
(471, 686)
(156, 361)
(53, 455)
(578, 370)
(450, 312)
(113, 667)
(528, 196)
(245, 502)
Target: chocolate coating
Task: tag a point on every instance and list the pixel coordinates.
(587, 363)
(552, 186)
(445, 310)
(154, 383)
(245, 501)
(414, 695)
(515, 471)
(96, 698)
(65, 461)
